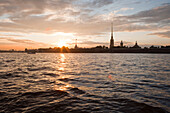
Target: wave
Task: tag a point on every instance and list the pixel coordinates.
(50, 74)
(45, 93)
(9, 60)
(30, 100)
(77, 90)
(41, 68)
(9, 75)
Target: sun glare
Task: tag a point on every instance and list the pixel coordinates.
(61, 44)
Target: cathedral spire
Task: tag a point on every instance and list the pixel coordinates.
(111, 30)
(111, 40)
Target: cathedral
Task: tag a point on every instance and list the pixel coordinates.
(121, 43)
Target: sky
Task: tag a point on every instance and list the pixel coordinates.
(52, 23)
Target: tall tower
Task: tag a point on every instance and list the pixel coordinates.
(111, 40)
(76, 45)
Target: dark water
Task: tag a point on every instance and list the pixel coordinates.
(110, 83)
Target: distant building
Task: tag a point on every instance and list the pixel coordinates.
(165, 47)
(26, 49)
(76, 45)
(111, 40)
(136, 45)
(121, 44)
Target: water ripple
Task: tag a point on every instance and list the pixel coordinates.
(74, 83)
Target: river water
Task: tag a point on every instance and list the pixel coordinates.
(84, 82)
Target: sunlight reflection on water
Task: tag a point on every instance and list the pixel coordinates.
(62, 62)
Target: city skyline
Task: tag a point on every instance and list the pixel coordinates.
(52, 23)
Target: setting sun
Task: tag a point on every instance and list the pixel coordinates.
(61, 44)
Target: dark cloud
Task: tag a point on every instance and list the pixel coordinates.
(165, 4)
(19, 6)
(162, 34)
(154, 15)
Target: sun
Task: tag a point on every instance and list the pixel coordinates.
(61, 43)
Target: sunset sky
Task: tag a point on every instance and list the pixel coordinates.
(48, 23)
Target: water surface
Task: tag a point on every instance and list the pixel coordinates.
(84, 82)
